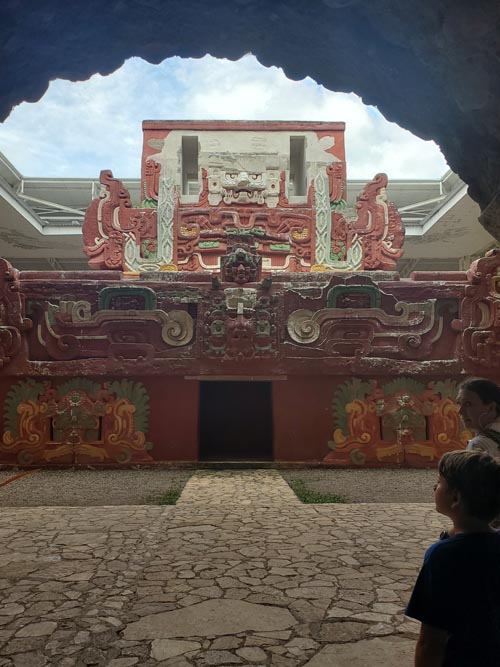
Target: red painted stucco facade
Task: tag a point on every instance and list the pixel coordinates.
(256, 318)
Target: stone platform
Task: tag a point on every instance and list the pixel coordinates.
(239, 572)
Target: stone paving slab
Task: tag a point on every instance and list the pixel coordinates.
(383, 651)
(239, 572)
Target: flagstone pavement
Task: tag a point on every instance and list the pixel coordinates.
(239, 572)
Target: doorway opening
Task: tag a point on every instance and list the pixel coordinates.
(235, 421)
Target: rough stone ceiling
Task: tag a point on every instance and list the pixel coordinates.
(432, 66)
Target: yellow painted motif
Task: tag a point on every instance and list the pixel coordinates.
(76, 428)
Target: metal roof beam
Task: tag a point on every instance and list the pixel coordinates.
(419, 204)
(52, 205)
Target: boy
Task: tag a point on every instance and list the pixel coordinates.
(457, 593)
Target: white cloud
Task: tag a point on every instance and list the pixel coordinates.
(77, 129)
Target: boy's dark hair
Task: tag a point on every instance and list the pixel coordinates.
(488, 391)
(476, 476)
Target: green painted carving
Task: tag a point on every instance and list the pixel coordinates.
(280, 246)
(358, 457)
(403, 385)
(52, 309)
(148, 203)
(77, 414)
(107, 294)
(346, 393)
(323, 218)
(402, 418)
(450, 305)
(340, 292)
(263, 328)
(180, 296)
(136, 393)
(267, 283)
(338, 256)
(236, 231)
(217, 328)
(338, 204)
(149, 248)
(447, 388)
(209, 244)
(76, 419)
(79, 384)
(24, 390)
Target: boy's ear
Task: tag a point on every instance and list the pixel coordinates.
(456, 500)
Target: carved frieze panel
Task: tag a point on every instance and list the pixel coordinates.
(372, 239)
(357, 325)
(239, 324)
(399, 422)
(282, 236)
(70, 330)
(111, 224)
(127, 297)
(379, 226)
(288, 191)
(235, 178)
(479, 321)
(151, 183)
(193, 237)
(241, 264)
(336, 183)
(78, 421)
(12, 320)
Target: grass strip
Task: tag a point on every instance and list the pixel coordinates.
(168, 497)
(309, 496)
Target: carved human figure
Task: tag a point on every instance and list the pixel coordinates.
(241, 264)
(240, 273)
(240, 337)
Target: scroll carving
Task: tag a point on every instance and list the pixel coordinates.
(479, 321)
(408, 333)
(70, 330)
(12, 320)
(151, 181)
(111, 221)
(379, 226)
(371, 241)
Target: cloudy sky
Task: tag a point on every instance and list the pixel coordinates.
(77, 129)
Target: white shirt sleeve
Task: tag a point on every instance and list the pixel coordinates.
(480, 443)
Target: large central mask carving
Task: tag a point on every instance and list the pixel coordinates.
(243, 179)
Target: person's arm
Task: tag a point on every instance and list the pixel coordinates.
(431, 646)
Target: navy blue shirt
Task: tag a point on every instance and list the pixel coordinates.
(458, 590)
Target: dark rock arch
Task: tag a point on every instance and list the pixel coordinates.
(432, 66)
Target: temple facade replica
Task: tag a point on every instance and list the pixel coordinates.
(240, 310)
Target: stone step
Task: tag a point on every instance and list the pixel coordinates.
(256, 487)
(237, 464)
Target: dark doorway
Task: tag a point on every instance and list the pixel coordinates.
(236, 421)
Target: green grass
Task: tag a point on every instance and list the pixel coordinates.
(168, 497)
(313, 497)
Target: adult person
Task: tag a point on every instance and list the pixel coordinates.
(479, 402)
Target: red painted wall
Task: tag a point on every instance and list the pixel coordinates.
(173, 418)
(303, 421)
